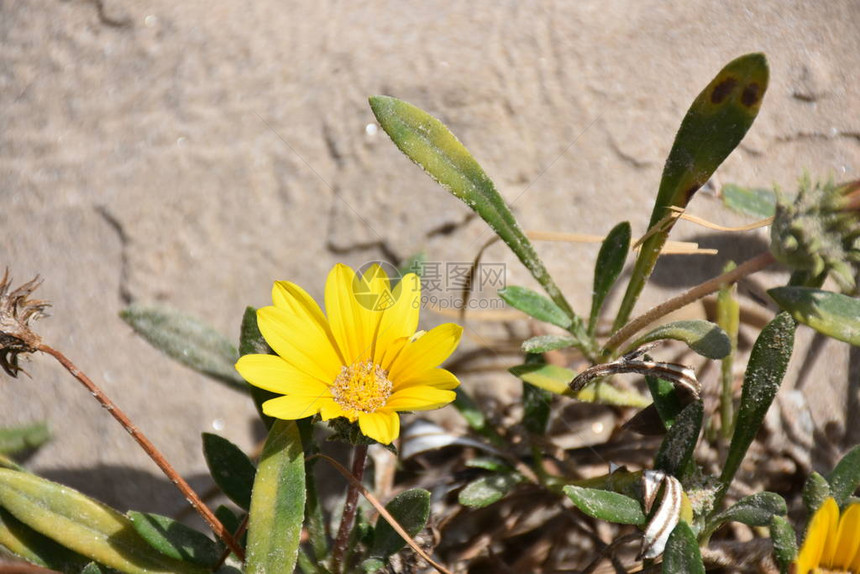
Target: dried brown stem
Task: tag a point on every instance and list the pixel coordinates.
(150, 449)
(703, 289)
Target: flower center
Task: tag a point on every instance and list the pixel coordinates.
(362, 386)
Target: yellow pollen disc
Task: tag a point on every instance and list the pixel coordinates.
(361, 386)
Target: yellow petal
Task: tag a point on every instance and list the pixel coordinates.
(401, 318)
(293, 299)
(381, 426)
(345, 316)
(277, 375)
(299, 342)
(331, 410)
(439, 378)
(420, 399)
(832, 517)
(292, 408)
(816, 536)
(848, 538)
(427, 352)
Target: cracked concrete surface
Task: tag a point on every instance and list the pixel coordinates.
(190, 154)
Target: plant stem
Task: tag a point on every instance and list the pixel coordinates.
(703, 289)
(150, 449)
(359, 461)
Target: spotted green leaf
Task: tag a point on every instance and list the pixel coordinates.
(784, 542)
(411, 509)
(488, 489)
(545, 343)
(277, 503)
(606, 505)
(845, 478)
(760, 203)
(755, 510)
(682, 552)
(714, 125)
(831, 314)
(231, 469)
(83, 525)
(535, 305)
(677, 448)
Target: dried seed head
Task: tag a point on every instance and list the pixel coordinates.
(819, 231)
(16, 311)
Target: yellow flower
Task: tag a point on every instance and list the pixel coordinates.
(364, 361)
(832, 542)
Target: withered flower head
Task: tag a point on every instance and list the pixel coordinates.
(820, 230)
(16, 311)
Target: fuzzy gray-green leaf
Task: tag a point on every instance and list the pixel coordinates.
(831, 314)
(411, 509)
(277, 503)
(765, 370)
(682, 552)
(231, 469)
(488, 489)
(760, 203)
(24, 542)
(187, 340)
(175, 539)
(17, 439)
(845, 478)
(755, 510)
(606, 505)
(703, 337)
(545, 343)
(680, 441)
(535, 305)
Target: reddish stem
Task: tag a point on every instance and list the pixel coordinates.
(349, 509)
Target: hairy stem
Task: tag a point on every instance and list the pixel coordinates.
(701, 290)
(150, 449)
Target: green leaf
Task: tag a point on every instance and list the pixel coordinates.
(92, 568)
(714, 125)
(187, 340)
(427, 142)
(83, 525)
(831, 314)
(231, 469)
(17, 439)
(666, 399)
(534, 305)
(759, 203)
(703, 337)
(677, 448)
(26, 543)
(555, 379)
(754, 510)
(610, 263)
(816, 490)
(845, 478)
(277, 503)
(784, 542)
(175, 539)
(682, 552)
(488, 489)
(411, 508)
(536, 408)
(606, 505)
(251, 342)
(765, 371)
(545, 343)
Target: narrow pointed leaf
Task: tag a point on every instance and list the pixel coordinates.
(277, 503)
(251, 341)
(175, 539)
(545, 343)
(831, 314)
(667, 399)
(187, 340)
(845, 478)
(535, 305)
(759, 203)
(26, 543)
(765, 371)
(703, 337)
(606, 505)
(556, 379)
(231, 469)
(677, 448)
(83, 525)
(488, 489)
(754, 510)
(610, 263)
(427, 142)
(682, 552)
(714, 125)
(17, 439)
(536, 409)
(411, 509)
